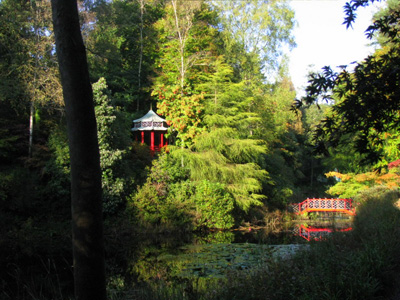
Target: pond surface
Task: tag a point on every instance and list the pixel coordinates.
(140, 260)
(212, 254)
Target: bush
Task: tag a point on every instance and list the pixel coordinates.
(163, 199)
(169, 198)
(184, 204)
(213, 205)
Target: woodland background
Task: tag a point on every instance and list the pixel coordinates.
(243, 146)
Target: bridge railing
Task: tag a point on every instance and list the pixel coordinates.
(324, 204)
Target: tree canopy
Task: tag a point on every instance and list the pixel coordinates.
(366, 99)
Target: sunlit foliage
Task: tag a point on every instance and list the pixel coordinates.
(349, 185)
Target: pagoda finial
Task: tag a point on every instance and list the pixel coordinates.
(151, 106)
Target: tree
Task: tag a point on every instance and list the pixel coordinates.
(14, 102)
(220, 113)
(86, 199)
(183, 13)
(114, 140)
(225, 151)
(187, 44)
(120, 29)
(254, 32)
(366, 100)
(27, 45)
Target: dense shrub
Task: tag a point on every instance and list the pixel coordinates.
(152, 207)
(213, 205)
(185, 204)
(169, 198)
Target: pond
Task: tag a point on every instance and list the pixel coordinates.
(140, 260)
(212, 254)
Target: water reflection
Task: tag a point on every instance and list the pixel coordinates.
(313, 233)
(214, 237)
(154, 257)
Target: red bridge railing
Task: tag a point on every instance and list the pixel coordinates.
(317, 233)
(325, 204)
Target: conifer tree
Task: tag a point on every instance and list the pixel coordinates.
(113, 145)
(224, 152)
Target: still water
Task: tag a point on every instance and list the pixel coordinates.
(211, 254)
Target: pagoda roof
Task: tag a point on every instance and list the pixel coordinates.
(150, 121)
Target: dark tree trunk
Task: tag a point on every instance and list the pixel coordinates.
(87, 222)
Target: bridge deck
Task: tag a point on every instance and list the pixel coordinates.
(325, 204)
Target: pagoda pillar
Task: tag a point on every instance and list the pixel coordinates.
(142, 134)
(161, 139)
(152, 140)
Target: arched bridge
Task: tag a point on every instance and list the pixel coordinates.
(316, 233)
(324, 204)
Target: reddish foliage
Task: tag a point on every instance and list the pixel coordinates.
(394, 164)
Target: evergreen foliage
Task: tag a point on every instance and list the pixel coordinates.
(113, 135)
(120, 32)
(220, 158)
(173, 201)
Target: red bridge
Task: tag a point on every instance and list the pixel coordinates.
(325, 204)
(316, 233)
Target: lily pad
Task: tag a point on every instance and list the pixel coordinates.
(214, 260)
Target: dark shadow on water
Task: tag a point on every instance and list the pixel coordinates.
(263, 236)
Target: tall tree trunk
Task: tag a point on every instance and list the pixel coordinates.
(86, 192)
(31, 115)
(141, 2)
(182, 31)
(35, 76)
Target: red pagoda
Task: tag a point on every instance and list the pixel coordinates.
(150, 130)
